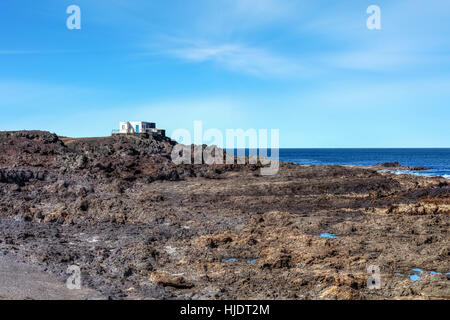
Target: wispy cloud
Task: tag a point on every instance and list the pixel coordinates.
(236, 57)
(413, 35)
(16, 52)
(336, 39)
(31, 52)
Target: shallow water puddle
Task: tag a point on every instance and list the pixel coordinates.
(417, 274)
(327, 235)
(251, 261)
(414, 277)
(229, 260)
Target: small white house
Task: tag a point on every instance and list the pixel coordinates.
(137, 127)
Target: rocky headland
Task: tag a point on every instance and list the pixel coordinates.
(141, 227)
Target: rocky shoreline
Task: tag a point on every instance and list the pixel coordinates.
(141, 227)
(397, 166)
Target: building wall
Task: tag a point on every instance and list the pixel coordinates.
(130, 126)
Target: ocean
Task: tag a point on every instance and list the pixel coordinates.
(436, 160)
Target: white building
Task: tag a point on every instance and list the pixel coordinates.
(137, 127)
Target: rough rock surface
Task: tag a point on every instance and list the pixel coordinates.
(141, 227)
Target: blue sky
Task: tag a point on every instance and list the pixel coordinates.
(308, 68)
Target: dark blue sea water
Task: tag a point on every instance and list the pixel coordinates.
(436, 160)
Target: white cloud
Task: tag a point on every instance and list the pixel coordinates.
(28, 52)
(239, 58)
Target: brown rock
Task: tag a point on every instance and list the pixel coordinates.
(167, 280)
